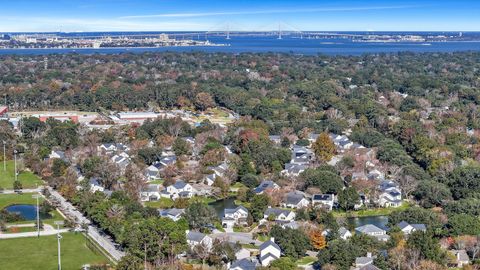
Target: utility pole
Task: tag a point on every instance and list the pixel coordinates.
(36, 196)
(4, 157)
(228, 31)
(145, 257)
(15, 157)
(58, 223)
(279, 31)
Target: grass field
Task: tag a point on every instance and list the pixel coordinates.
(26, 198)
(33, 253)
(28, 179)
(371, 212)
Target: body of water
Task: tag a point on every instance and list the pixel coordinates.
(223, 204)
(264, 44)
(379, 221)
(27, 211)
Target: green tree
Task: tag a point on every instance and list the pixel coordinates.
(347, 198)
(324, 147)
(130, 262)
(294, 243)
(427, 245)
(326, 181)
(259, 204)
(199, 215)
(463, 224)
(181, 147)
(284, 263)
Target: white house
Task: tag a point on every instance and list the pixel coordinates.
(390, 199)
(178, 190)
(279, 214)
(324, 200)
(153, 172)
(198, 238)
(235, 216)
(295, 199)
(407, 228)
(95, 185)
(372, 230)
(174, 213)
(57, 154)
(150, 193)
(344, 233)
(269, 251)
(461, 258)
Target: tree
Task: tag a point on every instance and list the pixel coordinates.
(348, 198)
(130, 262)
(204, 101)
(427, 245)
(199, 215)
(326, 181)
(415, 215)
(294, 243)
(17, 185)
(463, 224)
(259, 204)
(463, 182)
(284, 263)
(181, 147)
(249, 180)
(431, 193)
(324, 147)
(317, 239)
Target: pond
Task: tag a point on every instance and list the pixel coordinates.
(26, 211)
(223, 204)
(379, 221)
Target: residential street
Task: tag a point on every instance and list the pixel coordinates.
(104, 241)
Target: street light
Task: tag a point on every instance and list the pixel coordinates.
(37, 196)
(58, 223)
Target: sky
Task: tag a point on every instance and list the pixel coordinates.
(241, 15)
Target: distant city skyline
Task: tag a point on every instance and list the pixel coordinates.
(247, 15)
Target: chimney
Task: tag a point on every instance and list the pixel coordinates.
(272, 239)
(369, 254)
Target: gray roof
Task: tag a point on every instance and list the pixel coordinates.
(264, 185)
(195, 236)
(244, 264)
(276, 212)
(368, 228)
(293, 198)
(268, 243)
(369, 267)
(342, 231)
(461, 255)
(323, 197)
(418, 227)
(171, 212)
(295, 167)
(233, 210)
(179, 184)
(264, 257)
(363, 260)
(151, 188)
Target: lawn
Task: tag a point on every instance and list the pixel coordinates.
(162, 203)
(33, 253)
(28, 179)
(306, 260)
(26, 198)
(371, 212)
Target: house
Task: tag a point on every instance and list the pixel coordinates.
(364, 261)
(269, 251)
(210, 179)
(372, 230)
(197, 238)
(243, 264)
(390, 199)
(95, 185)
(242, 253)
(265, 185)
(294, 169)
(301, 155)
(313, 137)
(292, 225)
(344, 233)
(279, 214)
(109, 148)
(174, 213)
(150, 193)
(153, 172)
(168, 160)
(407, 228)
(460, 258)
(277, 139)
(178, 190)
(239, 213)
(57, 154)
(220, 170)
(367, 267)
(296, 199)
(324, 200)
(121, 160)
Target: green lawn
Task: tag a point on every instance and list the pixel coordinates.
(371, 212)
(306, 260)
(26, 198)
(33, 253)
(28, 179)
(162, 203)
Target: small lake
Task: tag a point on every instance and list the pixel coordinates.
(223, 204)
(27, 211)
(379, 221)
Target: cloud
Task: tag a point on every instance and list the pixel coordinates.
(271, 11)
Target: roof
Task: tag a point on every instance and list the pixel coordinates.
(461, 255)
(276, 212)
(368, 228)
(343, 231)
(195, 236)
(419, 227)
(171, 212)
(294, 198)
(264, 257)
(268, 243)
(323, 197)
(180, 184)
(369, 267)
(234, 210)
(151, 188)
(265, 185)
(363, 260)
(244, 264)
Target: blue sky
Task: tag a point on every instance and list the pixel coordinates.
(246, 15)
